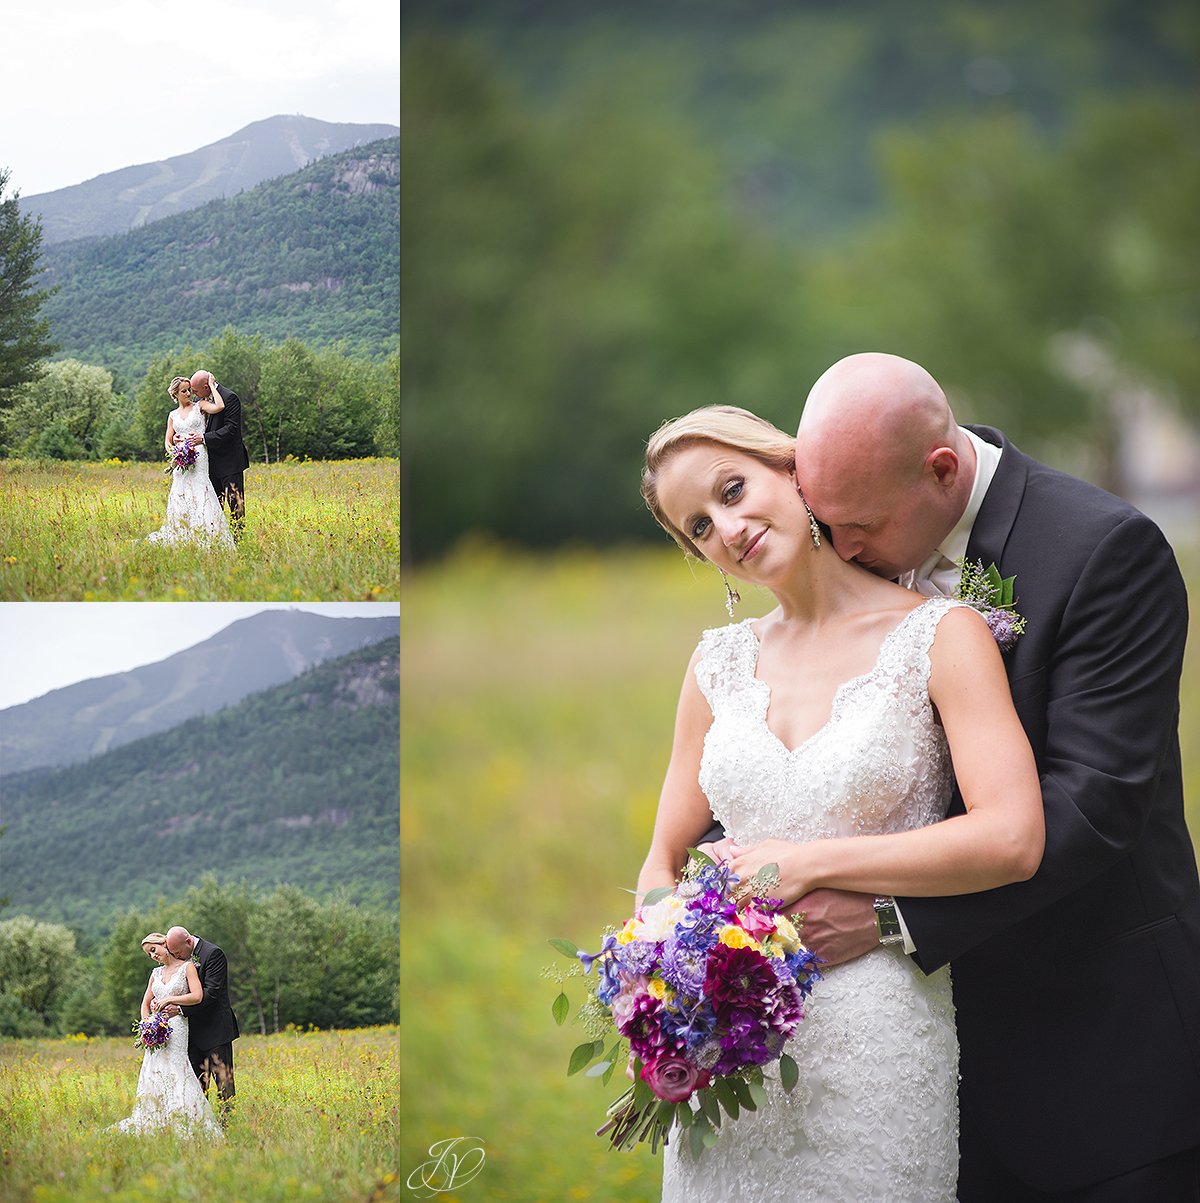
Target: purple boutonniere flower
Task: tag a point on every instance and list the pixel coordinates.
(992, 595)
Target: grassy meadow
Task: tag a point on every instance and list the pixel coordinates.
(315, 530)
(315, 1119)
(538, 698)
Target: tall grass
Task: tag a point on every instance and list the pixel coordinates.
(315, 1119)
(327, 530)
(538, 698)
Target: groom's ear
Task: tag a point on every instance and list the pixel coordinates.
(942, 462)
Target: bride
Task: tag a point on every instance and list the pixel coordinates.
(823, 737)
(193, 508)
(168, 1091)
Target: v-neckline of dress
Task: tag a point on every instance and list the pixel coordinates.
(838, 693)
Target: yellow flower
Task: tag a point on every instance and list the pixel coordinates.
(786, 934)
(657, 988)
(736, 937)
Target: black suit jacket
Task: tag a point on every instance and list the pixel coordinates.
(223, 437)
(211, 1022)
(1078, 992)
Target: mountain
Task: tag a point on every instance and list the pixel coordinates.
(133, 196)
(268, 648)
(298, 784)
(314, 255)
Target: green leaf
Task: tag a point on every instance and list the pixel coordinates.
(709, 1138)
(642, 1094)
(684, 1114)
(600, 1068)
(700, 856)
(657, 895)
(992, 576)
(744, 1097)
(560, 1009)
(727, 1097)
(612, 1057)
(1007, 592)
(666, 1113)
(758, 1094)
(584, 1053)
(789, 1072)
(696, 1136)
(711, 1108)
(567, 948)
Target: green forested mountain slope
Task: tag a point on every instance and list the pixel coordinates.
(297, 784)
(313, 255)
(134, 196)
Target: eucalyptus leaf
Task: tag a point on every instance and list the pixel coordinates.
(702, 857)
(561, 1008)
(595, 1071)
(567, 948)
(709, 1138)
(727, 1097)
(642, 1094)
(582, 1054)
(684, 1114)
(789, 1072)
(744, 1097)
(657, 895)
(696, 1138)
(758, 1093)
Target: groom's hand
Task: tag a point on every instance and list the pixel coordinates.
(838, 925)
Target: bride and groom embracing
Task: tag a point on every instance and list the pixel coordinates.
(190, 987)
(934, 806)
(208, 461)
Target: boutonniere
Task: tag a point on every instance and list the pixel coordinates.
(195, 959)
(992, 595)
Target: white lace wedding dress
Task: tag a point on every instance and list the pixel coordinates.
(874, 1115)
(193, 507)
(168, 1091)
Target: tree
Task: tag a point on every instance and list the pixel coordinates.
(64, 413)
(35, 966)
(24, 336)
(1039, 276)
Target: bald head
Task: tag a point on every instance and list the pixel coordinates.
(180, 942)
(881, 460)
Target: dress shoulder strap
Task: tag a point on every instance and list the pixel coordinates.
(726, 665)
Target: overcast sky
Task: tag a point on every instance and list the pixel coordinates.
(46, 645)
(92, 86)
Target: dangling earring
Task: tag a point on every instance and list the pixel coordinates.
(731, 594)
(812, 522)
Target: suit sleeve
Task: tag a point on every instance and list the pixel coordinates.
(214, 977)
(230, 429)
(1110, 708)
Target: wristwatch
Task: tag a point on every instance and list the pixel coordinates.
(887, 922)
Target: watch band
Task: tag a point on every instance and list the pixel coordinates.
(887, 922)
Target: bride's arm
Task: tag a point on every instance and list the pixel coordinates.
(683, 810)
(148, 997)
(170, 440)
(215, 402)
(195, 992)
(1001, 837)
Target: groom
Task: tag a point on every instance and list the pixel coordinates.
(1078, 991)
(212, 1025)
(227, 456)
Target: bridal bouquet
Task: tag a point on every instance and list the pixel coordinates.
(152, 1033)
(703, 986)
(182, 457)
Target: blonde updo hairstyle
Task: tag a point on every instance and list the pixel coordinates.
(155, 937)
(173, 388)
(722, 426)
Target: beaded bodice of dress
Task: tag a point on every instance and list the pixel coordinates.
(879, 764)
(874, 1116)
(189, 421)
(166, 985)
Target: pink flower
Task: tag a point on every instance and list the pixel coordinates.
(672, 1078)
(755, 923)
(624, 1005)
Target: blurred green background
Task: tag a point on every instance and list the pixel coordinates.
(615, 212)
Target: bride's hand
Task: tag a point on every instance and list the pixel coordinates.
(794, 862)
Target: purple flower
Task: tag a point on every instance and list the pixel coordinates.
(683, 966)
(1005, 626)
(689, 1020)
(610, 943)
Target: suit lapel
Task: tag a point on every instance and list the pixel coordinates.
(1001, 503)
